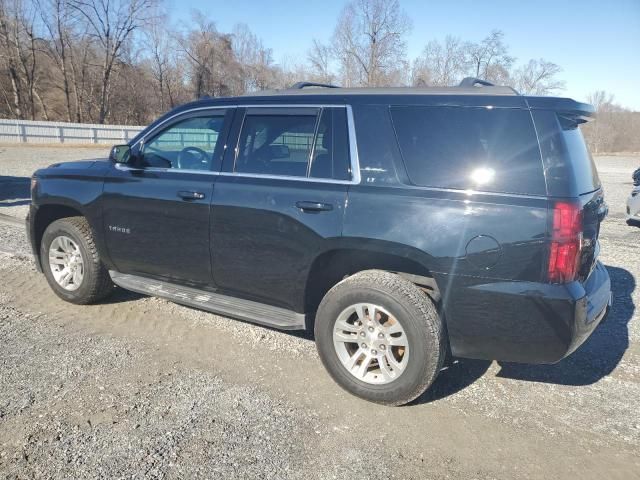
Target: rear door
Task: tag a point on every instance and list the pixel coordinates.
(279, 201)
(157, 211)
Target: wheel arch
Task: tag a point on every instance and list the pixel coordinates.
(45, 215)
(332, 266)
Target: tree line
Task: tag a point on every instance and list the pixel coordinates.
(126, 62)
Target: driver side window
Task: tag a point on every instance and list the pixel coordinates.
(188, 144)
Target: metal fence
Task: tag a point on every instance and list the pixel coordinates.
(26, 131)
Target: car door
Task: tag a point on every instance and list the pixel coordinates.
(156, 212)
(279, 201)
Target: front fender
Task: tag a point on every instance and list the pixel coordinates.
(72, 194)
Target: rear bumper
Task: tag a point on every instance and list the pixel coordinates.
(525, 322)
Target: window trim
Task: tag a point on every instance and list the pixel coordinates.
(314, 145)
(351, 132)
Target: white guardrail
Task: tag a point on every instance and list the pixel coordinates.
(27, 131)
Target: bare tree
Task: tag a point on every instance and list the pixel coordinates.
(255, 60)
(111, 23)
(21, 53)
(490, 59)
(161, 45)
(213, 67)
(538, 77)
(615, 129)
(8, 33)
(600, 132)
(80, 61)
(56, 18)
(319, 57)
(440, 64)
(601, 100)
(25, 51)
(369, 42)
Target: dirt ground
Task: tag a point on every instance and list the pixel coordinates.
(138, 387)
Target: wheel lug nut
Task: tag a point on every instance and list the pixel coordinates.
(362, 334)
(364, 345)
(382, 347)
(381, 335)
(371, 329)
(374, 352)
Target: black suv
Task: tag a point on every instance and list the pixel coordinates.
(398, 224)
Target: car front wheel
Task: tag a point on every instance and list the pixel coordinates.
(71, 262)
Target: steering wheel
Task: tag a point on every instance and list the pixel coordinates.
(193, 158)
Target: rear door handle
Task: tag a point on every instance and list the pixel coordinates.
(314, 206)
(188, 195)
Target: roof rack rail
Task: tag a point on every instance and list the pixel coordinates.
(472, 82)
(301, 85)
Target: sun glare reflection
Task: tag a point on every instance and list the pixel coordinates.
(483, 175)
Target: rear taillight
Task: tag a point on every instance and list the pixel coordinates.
(566, 242)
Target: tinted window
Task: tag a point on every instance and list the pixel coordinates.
(584, 170)
(187, 144)
(470, 148)
(331, 149)
(276, 144)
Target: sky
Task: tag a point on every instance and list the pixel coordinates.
(597, 43)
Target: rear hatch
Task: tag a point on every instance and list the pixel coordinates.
(573, 184)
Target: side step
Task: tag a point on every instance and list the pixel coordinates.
(213, 302)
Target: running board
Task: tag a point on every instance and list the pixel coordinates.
(246, 310)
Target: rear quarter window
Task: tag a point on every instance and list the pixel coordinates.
(479, 148)
(584, 169)
(569, 168)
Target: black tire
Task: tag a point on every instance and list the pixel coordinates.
(96, 283)
(416, 313)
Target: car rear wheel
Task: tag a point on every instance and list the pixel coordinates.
(380, 337)
(71, 262)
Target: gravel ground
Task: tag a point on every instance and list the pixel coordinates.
(142, 388)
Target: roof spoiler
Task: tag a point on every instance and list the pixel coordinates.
(577, 111)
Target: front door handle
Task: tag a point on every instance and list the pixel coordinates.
(189, 195)
(314, 206)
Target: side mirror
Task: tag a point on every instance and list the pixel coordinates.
(279, 151)
(120, 154)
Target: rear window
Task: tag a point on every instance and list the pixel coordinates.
(488, 149)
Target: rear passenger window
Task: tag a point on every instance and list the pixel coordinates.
(295, 141)
(477, 148)
(276, 143)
